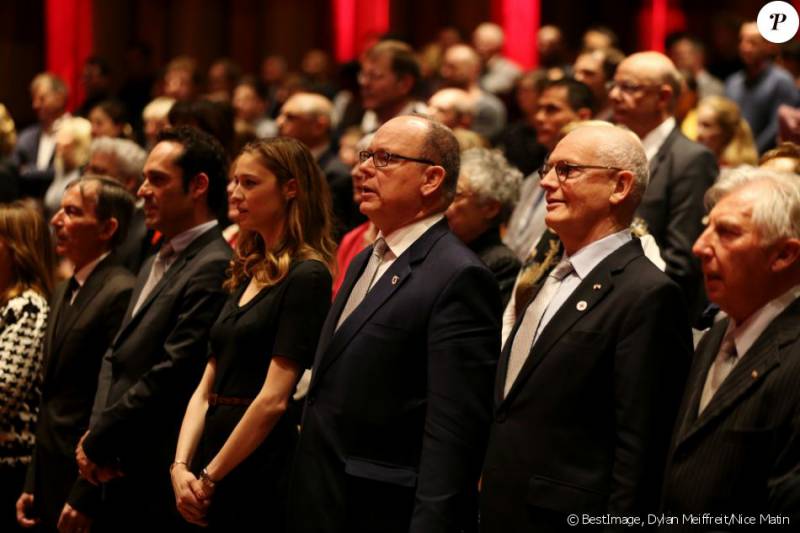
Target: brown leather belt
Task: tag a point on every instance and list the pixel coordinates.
(216, 399)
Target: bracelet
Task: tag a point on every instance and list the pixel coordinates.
(176, 463)
(206, 479)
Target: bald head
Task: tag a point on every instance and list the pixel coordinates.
(488, 40)
(452, 107)
(307, 118)
(461, 66)
(647, 86)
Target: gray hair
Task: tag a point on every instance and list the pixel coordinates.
(488, 174)
(129, 156)
(776, 210)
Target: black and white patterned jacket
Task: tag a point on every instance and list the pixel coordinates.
(23, 321)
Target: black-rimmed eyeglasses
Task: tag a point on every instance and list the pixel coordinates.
(564, 170)
(382, 158)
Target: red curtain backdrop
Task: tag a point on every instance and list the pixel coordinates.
(657, 19)
(358, 23)
(68, 36)
(520, 20)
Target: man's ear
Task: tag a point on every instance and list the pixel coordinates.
(198, 186)
(432, 180)
(624, 185)
(787, 255)
(489, 209)
(666, 94)
(108, 229)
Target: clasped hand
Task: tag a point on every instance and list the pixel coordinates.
(192, 496)
(91, 471)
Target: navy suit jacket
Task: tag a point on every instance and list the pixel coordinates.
(399, 403)
(585, 427)
(32, 181)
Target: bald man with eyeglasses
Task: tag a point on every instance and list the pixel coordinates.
(590, 378)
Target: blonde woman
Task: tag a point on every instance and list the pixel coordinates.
(721, 128)
(235, 444)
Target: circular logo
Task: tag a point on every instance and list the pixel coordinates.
(778, 22)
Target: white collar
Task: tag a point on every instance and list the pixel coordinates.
(181, 241)
(588, 257)
(401, 239)
(652, 141)
(747, 333)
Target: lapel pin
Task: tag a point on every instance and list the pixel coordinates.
(395, 279)
(597, 287)
(581, 306)
(754, 375)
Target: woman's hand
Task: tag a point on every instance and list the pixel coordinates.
(191, 503)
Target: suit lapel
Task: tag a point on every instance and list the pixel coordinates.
(663, 151)
(593, 289)
(389, 283)
(52, 322)
(180, 262)
(761, 359)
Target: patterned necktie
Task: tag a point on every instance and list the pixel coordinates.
(364, 283)
(160, 265)
(719, 370)
(526, 333)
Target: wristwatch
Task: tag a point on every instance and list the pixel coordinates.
(206, 480)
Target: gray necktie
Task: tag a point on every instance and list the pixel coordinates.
(160, 265)
(364, 283)
(526, 334)
(719, 370)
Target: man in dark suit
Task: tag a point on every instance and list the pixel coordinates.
(36, 147)
(307, 118)
(158, 355)
(87, 311)
(398, 407)
(590, 378)
(645, 92)
(735, 447)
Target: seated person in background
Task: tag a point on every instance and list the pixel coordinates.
(156, 118)
(721, 128)
(452, 107)
(250, 108)
(110, 119)
(35, 149)
(784, 158)
(123, 161)
(518, 140)
(73, 138)
(488, 188)
(9, 176)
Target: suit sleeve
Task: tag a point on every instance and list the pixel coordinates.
(650, 369)
(685, 220)
(785, 93)
(184, 350)
(463, 345)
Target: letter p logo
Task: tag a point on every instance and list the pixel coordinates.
(777, 22)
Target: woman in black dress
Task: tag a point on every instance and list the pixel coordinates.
(235, 445)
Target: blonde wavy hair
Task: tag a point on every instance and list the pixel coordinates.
(740, 147)
(308, 223)
(25, 232)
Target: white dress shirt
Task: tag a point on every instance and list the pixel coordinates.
(652, 141)
(401, 240)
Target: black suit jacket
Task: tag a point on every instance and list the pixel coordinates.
(742, 454)
(500, 259)
(157, 359)
(398, 407)
(673, 208)
(73, 352)
(585, 427)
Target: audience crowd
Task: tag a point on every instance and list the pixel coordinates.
(429, 292)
